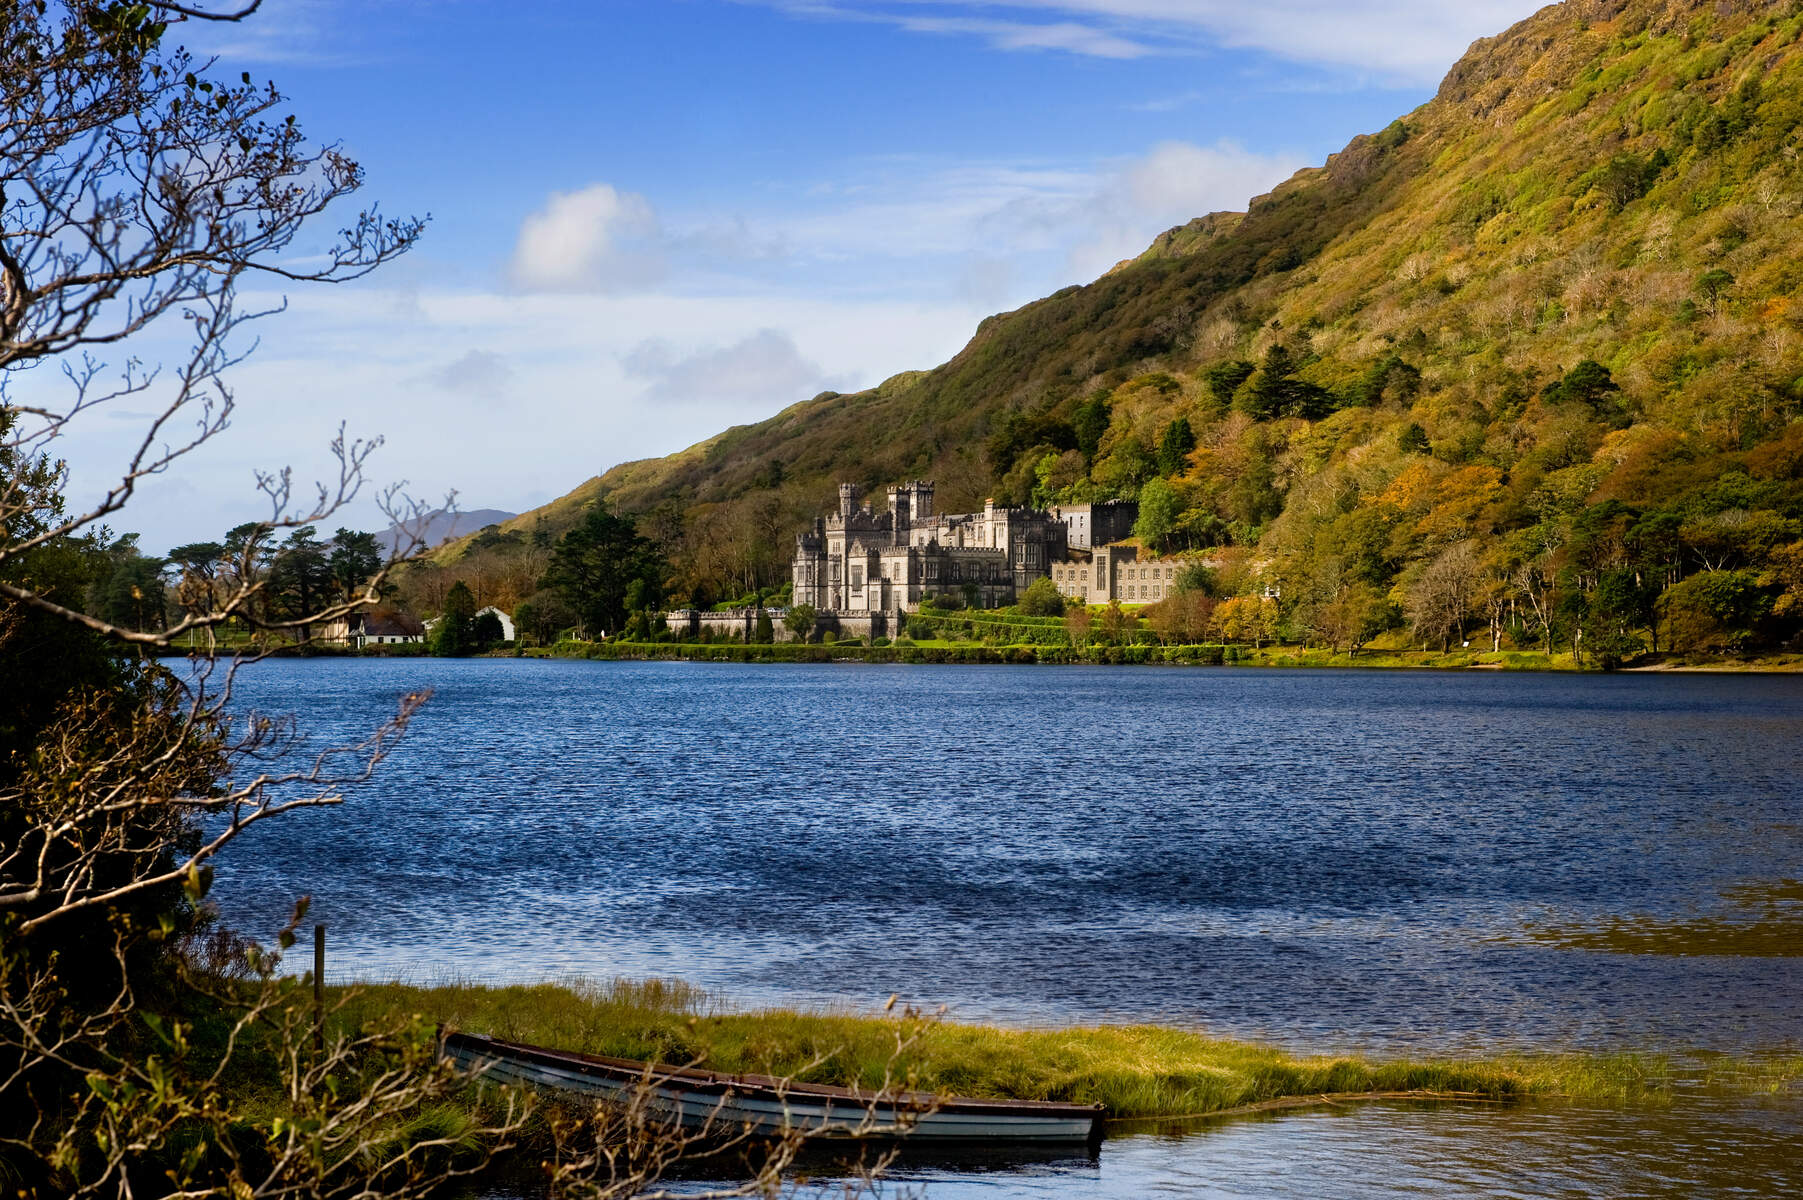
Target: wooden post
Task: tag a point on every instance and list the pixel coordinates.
(319, 989)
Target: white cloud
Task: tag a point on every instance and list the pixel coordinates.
(574, 408)
(757, 375)
(292, 33)
(1164, 104)
(1019, 35)
(1005, 233)
(886, 267)
(1174, 183)
(478, 373)
(1411, 41)
(598, 239)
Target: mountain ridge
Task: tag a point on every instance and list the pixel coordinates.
(1613, 182)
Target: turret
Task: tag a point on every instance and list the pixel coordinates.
(923, 500)
(900, 507)
(848, 499)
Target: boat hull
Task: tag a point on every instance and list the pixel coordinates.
(701, 1099)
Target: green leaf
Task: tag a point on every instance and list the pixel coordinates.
(154, 1023)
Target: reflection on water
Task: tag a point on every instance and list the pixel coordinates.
(1760, 920)
(1705, 1147)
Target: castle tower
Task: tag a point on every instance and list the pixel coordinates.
(901, 506)
(923, 500)
(848, 499)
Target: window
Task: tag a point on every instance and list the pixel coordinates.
(857, 576)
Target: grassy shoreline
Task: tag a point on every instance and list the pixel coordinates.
(1141, 1072)
(1276, 657)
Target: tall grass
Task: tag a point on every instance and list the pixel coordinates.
(1137, 1071)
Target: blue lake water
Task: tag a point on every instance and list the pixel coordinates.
(1360, 860)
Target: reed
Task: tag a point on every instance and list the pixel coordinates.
(1138, 1071)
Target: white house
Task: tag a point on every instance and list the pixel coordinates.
(506, 622)
(384, 629)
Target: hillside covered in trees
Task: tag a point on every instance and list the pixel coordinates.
(1527, 361)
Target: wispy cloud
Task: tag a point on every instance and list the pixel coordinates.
(1163, 104)
(754, 375)
(478, 373)
(1022, 35)
(291, 33)
(1012, 231)
(1411, 41)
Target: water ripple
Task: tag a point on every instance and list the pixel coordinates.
(1341, 858)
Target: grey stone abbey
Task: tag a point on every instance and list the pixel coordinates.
(859, 562)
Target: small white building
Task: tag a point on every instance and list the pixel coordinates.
(385, 629)
(506, 622)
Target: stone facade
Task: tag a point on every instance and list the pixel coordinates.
(1116, 573)
(1091, 525)
(861, 562)
(739, 624)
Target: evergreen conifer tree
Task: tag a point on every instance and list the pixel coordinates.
(456, 633)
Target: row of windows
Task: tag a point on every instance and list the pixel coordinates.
(1127, 591)
(1166, 574)
(976, 573)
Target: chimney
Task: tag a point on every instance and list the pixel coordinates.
(848, 499)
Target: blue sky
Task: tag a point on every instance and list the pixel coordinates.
(652, 219)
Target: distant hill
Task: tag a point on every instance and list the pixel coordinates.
(1553, 316)
(441, 526)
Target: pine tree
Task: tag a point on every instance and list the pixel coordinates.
(1174, 447)
(456, 633)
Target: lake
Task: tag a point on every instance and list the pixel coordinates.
(1370, 861)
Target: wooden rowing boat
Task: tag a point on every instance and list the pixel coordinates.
(699, 1098)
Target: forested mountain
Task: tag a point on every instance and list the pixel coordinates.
(1531, 356)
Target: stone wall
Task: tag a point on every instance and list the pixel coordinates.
(741, 624)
